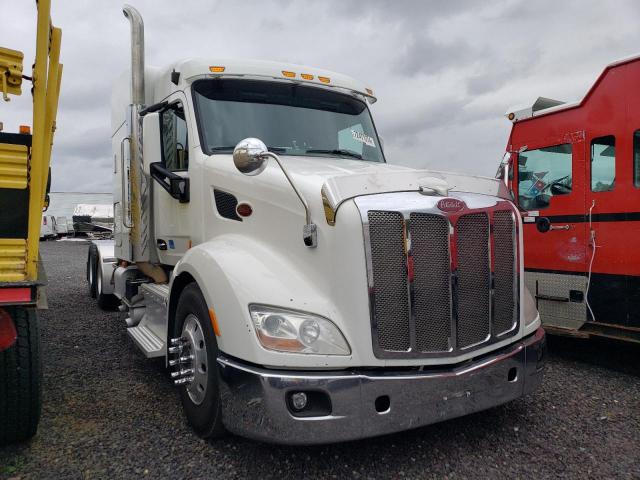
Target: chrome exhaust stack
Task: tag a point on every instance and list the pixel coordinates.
(137, 54)
(140, 191)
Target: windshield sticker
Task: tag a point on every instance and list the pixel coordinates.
(363, 138)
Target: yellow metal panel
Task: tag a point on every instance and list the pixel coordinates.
(47, 62)
(13, 166)
(13, 260)
(10, 71)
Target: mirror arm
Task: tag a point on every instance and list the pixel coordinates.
(177, 186)
(310, 231)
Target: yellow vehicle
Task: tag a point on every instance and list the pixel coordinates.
(24, 183)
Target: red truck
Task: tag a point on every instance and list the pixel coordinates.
(574, 171)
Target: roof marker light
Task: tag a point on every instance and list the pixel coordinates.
(369, 91)
(288, 74)
(324, 79)
(25, 130)
(216, 69)
(306, 76)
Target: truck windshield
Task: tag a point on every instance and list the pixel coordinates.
(291, 119)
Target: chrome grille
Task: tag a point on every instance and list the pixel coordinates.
(390, 293)
(431, 285)
(439, 284)
(505, 308)
(473, 279)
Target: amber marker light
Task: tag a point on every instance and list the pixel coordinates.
(288, 74)
(369, 91)
(25, 130)
(324, 79)
(511, 116)
(216, 69)
(306, 76)
(214, 322)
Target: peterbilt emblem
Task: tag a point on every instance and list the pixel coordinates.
(450, 205)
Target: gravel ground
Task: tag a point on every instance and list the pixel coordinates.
(109, 413)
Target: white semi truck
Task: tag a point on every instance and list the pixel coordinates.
(301, 289)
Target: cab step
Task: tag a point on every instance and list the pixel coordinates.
(151, 345)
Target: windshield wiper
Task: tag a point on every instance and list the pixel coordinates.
(222, 149)
(337, 151)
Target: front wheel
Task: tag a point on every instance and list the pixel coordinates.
(20, 379)
(199, 392)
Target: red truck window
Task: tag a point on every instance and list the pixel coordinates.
(603, 164)
(636, 158)
(542, 174)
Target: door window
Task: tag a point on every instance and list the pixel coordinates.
(603, 163)
(175, 148)
(636, 158)
(542, 174)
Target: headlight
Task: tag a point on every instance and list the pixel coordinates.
(297, 332)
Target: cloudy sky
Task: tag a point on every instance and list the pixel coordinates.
(444, 72)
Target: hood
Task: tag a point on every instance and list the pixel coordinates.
(342, 179)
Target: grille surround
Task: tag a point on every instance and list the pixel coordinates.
(430, 296)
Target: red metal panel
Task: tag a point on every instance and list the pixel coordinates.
(15, 295)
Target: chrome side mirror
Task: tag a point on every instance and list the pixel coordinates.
(250, 156)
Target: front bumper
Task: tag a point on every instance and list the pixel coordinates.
(254, 399)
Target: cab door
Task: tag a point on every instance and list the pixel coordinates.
(171, 219)
(610, 203)
(549, 187)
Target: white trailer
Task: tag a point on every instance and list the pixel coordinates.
(62, 228)
(48, 227)
(301, 289)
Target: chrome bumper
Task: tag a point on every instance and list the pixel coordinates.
(254, 399)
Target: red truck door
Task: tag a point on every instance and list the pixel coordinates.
(549, 185)
(612, 223)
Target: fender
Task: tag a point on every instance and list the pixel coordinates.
(106, 263)
(234, 271)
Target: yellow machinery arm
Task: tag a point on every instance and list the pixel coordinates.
(19, 256)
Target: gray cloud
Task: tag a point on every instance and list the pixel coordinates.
(444, 72)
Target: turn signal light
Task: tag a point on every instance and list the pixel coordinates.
(216, 69)
(25, 129)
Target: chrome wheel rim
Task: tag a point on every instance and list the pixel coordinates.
(195, 349)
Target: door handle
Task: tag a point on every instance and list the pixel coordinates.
(543, 224)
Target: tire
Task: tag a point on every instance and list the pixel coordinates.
(206, 417)
(91, 270)
(21, 379)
